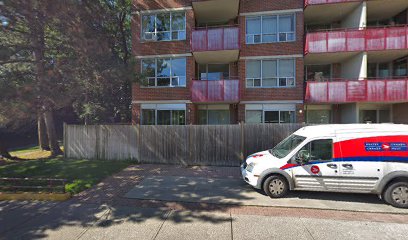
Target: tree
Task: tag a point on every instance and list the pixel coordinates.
(33, 43)
(65, 53)
(107, 74)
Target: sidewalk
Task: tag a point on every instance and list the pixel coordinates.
(90, 221)
(104, 212)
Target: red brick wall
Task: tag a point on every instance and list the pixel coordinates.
(136, 113)
(300, 113)
(241, 112)
(262, 5)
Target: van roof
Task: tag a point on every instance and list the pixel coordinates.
(332, 129)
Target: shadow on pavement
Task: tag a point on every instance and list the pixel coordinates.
(69, 220)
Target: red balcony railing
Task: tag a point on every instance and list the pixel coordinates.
(318, 2)
(349, 40)
(215, 39)
(343, 91)
(215, 91)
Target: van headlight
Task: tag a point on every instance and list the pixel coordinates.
(250, 167)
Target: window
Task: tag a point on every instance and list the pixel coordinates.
(270, 73)
(286, 146)
(164, 26)
(163, 117)
(164, 72)
(148, 117)
(319, 73)
(270, 29)
(213, 71)
(378, 70)
(279, 116)
(400, 67)
(318, 116)
(318, 151)
(213, 117)
(254, 116)
(266, 116)
(375, 116)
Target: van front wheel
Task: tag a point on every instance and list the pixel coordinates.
(396, 194)
(276, 186)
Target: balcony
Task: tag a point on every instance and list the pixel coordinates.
(328, 11)
(353, 40)
(218, 44)
(210, 91)
(346, 91)
(215, 11)
(318, 2)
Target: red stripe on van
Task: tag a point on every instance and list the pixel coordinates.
(357, 147)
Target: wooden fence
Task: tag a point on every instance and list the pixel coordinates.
(220, 145)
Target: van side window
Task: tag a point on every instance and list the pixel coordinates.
(319, 150)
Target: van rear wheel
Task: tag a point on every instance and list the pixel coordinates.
(396, 194)
(276, 186)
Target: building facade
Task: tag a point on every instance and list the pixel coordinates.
(356, 58)
(257, 61)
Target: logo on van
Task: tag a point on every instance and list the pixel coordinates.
(315, 169)
(385, 146)
(382, 147)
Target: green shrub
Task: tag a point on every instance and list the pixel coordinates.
(77, 186)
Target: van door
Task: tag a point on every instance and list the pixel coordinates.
(317, 171)
(361, 172)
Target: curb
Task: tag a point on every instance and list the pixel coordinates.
(35, 196)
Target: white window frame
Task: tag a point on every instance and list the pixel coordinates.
(278, 16)
(278, 77)
(154, 37)
(215, 107)
(171, 71)
(163, 107)
(270, 110)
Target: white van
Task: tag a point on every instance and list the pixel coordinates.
(360, 158)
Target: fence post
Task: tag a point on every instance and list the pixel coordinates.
(97, 142)
(64, 139)
(189, 153)
(138, 140)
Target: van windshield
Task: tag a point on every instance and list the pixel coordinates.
(286, 146)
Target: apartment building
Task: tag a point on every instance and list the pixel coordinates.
(218, 61)
(267, 61)
(356, 59)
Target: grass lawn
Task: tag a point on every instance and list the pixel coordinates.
(81, 174)
(31, 153)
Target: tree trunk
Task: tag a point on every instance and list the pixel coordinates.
(42, 133)
(3, 151)
(52, 134)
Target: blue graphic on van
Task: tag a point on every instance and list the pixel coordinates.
(380, 146)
